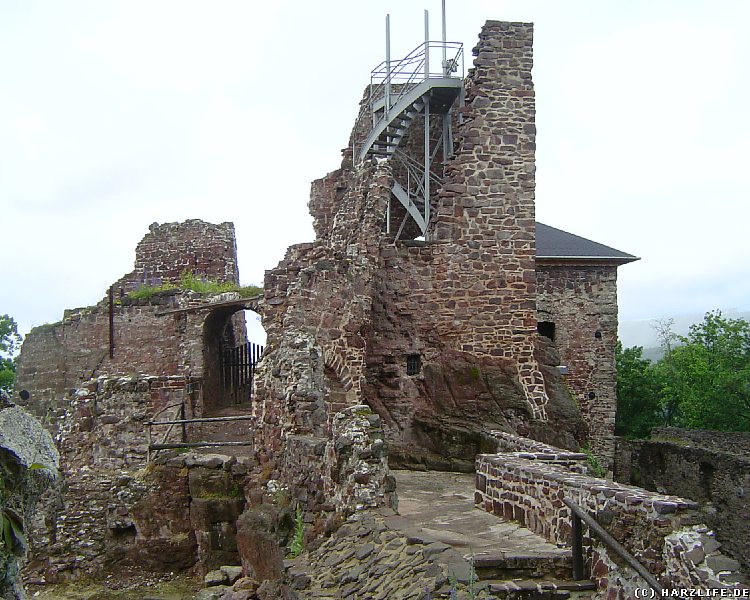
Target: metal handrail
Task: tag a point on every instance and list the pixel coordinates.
(577, 544)
(414, 165)
(410, 70)
(164, 445)
(202, 420)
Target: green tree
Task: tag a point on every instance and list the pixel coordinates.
(710, 375)
(639, 386)
(10, 341)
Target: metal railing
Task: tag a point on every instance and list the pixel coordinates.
(577, 544)
(413, 69)
(391, 80)
(183, 422)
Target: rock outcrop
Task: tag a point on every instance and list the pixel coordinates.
(28, 466)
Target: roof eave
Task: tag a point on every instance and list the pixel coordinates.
(615, 261)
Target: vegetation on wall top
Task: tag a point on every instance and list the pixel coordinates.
(195, 283)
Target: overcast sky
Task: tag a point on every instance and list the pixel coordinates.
(117, 114)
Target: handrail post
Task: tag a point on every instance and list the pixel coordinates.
(577, 546)
(184, 426)
(426, 44)
(387, 65)
(446, 72)
(613, 544)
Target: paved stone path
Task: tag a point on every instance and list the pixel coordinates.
(439, 507)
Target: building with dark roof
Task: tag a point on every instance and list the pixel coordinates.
(577, 309)
(556, 245)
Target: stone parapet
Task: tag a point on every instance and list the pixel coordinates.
(525, 448)
(732, 442)
(663, 532)
(698, 466)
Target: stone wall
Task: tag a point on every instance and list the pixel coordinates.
(193, 246)
(58, 357)
(328, 453)
(718, 479)
(486, 210)
(733, 442)
(521, 447)
(665, 533)
(581, 301)
(116, 510)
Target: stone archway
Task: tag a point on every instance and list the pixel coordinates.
(229, 360)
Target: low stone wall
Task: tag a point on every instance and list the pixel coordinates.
(692, 464)
(522, 447)
(663, 532)
(734, 442)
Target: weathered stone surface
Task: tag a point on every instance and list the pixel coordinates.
(23, 436)
(24, 447)
(709, 467)
(216, 577)
(212, 593)
(581, 301)
(663, 532)
(233, 573)
(258, 542)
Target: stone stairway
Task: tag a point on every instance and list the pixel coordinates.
(224, 431)
(508, 560)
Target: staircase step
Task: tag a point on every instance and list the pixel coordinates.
(535, 589)
(523, 566)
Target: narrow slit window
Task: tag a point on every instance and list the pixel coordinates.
(413, 364)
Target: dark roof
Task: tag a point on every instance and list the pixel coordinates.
(556, 244)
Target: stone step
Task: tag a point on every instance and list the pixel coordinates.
(534, 589)
(537, 565)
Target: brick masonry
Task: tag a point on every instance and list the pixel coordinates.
(581, 301)
(462, 304)
(428, 345)
(665, 533)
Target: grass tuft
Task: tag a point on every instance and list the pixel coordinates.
(191, 281)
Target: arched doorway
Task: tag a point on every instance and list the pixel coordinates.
(233, 342)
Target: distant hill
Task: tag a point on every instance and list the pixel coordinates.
(643, 333)
(653, 353)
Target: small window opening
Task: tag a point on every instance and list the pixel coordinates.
(547, 329)
(413, 364)
(123, 532)
(598, 335)
(592, 395)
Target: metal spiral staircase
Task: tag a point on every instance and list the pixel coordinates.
(403, 93)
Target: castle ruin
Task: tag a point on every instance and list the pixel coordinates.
(432, 318)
